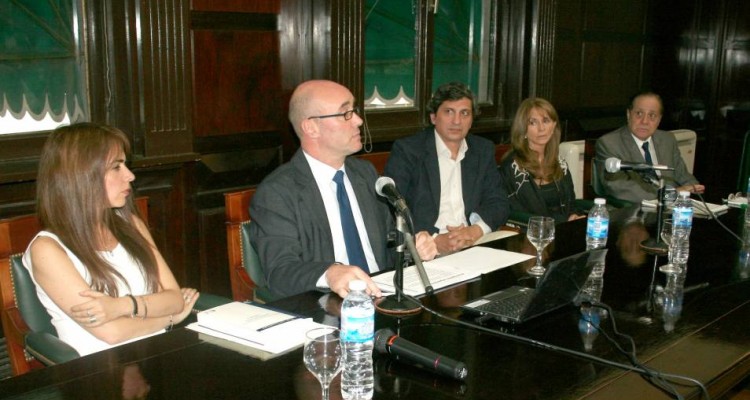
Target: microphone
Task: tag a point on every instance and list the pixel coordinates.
(616, 165)
(387, 342)
(385, 187)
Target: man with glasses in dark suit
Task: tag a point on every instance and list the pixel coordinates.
(316, 221)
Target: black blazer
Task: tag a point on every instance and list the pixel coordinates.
(524, 195)
(413, 165)
(290, 229)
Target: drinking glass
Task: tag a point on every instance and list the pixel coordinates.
(540, 232)
(322, 355)
(666, 236)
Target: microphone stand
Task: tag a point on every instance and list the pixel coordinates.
(397, 304)
(409, 239)
(654, 245)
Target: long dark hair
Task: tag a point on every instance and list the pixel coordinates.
(550, 169)
(72, 202)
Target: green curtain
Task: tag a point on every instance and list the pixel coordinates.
(390, 37)
(40, 58)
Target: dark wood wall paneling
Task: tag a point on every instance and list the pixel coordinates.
(598, 62)
(700, 67)
(694, 53)
(239, 117)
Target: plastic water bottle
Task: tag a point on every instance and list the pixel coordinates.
(587, 326)
(597, 226)
(672, 300)
(597, 229)
(592, 289)
(682, 223)
(357, 334)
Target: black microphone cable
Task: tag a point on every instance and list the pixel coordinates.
(715, 218)
(657, 378)
(640, 370)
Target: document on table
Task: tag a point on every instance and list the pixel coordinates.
(452, 269)
(495, 235)
(699, 209)
(255, 326)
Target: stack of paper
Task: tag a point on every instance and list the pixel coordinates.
(452, 269)
(699, 209)
(255, 326)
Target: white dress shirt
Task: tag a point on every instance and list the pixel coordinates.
(452, 211)
(323, 175)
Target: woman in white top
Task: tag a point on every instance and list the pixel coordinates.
(95, 264)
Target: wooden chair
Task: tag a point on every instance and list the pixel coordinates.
(378, 159)
(245, 273)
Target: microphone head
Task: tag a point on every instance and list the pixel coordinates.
(381, 183)
(382, 336)
(612, 165)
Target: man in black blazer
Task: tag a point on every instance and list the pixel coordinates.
(449, 178)
(296, 228)
(626, 143)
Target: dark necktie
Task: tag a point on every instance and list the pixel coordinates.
(649, 160)
(647, 154)
(351, 235)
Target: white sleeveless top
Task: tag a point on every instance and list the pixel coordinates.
(68, 330)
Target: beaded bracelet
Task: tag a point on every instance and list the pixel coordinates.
(135, 306)
(171, 322)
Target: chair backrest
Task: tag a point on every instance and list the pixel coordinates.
(597, 169)
(596, 183)
(686, 142)
(572, 153)
(378, 159)
(15, 235)
(500, 150)
(32, 310)
(245, 272)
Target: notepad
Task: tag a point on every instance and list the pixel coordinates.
(452, 269)
(256, 326)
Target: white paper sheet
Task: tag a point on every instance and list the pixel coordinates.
(452, 269)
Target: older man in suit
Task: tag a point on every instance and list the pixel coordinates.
(317, 221)
(641, 141)
(449, 178)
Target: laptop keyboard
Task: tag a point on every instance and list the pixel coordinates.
(510, 306)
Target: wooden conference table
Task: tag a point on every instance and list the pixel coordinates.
(710, 340)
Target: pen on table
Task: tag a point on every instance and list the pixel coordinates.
(277, 323)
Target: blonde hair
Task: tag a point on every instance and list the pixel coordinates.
(549, 169)
(72, 202)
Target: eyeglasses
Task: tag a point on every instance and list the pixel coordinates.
(346, 114)
(652, 116)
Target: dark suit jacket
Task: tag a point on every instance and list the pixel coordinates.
(413, 165)
(629, 185)
(290, 229)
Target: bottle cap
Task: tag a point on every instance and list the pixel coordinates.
(684, 193)
(600, 201)
(357, 285)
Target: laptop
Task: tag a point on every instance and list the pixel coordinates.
(558, 287)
